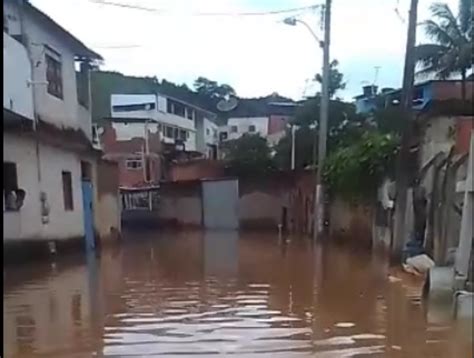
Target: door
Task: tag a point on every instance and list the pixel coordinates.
(220, 204)
(88, 215)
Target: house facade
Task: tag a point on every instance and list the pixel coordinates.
(50, 163)
(179, 123)
(135, 145)
(268, 117)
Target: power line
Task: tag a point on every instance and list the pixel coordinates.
(113, 47)
(164, 12)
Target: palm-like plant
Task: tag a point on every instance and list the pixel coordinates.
(451, 50)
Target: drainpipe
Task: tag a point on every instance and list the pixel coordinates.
(26, 44)
(44, 208)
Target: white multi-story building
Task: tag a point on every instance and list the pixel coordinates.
(49, 161)
(178, 122)
(237, 127)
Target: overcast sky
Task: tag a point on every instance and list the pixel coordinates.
(257, 55)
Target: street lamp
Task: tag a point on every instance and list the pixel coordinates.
(319, 207)
(292, 21)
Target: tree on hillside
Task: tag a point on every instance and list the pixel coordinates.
(335, 79)
(248, 154)
(451, 49)
(343, 125)
(212, 89)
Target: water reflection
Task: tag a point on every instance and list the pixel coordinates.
(218, 293)
(221, 253)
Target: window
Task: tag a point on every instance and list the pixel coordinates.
(208, 131)
(134, 163)
(169, 106)
(175, 108)
(252, 128)
(169, 132)
(10, 186)
(134, 107)
(223, 135)
(233, 129)
(189, 113)
(179, 109)
(86, 171)
(147, 169)
(67, 191)
(54, 75)
(82, 83)
(182, 135)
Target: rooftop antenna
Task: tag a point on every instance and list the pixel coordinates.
(376, 76)
(227, 104)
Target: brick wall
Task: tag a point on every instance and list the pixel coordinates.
(451, 90)
(120, 150)
(464, 127)
(277, 123)
(198, 169)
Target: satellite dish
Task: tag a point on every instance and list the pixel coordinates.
(227, 104)
(100, 130)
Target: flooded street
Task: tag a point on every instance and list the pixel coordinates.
(217, 294)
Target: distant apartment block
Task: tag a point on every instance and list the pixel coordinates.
(191, 128)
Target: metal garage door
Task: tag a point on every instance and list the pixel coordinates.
(220, 203)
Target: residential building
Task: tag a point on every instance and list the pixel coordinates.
(268, 116)
(50, 164)
(135, 144)
(423, 94)
(238, 126)
(366, 102)
(179, 123)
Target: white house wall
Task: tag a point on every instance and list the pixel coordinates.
(60, 112)
(17, 94)
(243, 123)
(27, 222)
(212, 136)
(127, 131)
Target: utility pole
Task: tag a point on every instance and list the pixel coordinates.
(293, 148)
(323, 126)
(403, 173)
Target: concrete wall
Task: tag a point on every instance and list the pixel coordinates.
(439, 135)
(261, 202)
(27, 223)
(351, 221)
(17, 93)
(181, 203)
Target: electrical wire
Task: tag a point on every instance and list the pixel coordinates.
(162, 11)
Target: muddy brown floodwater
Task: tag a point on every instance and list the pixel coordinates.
(218, 294)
